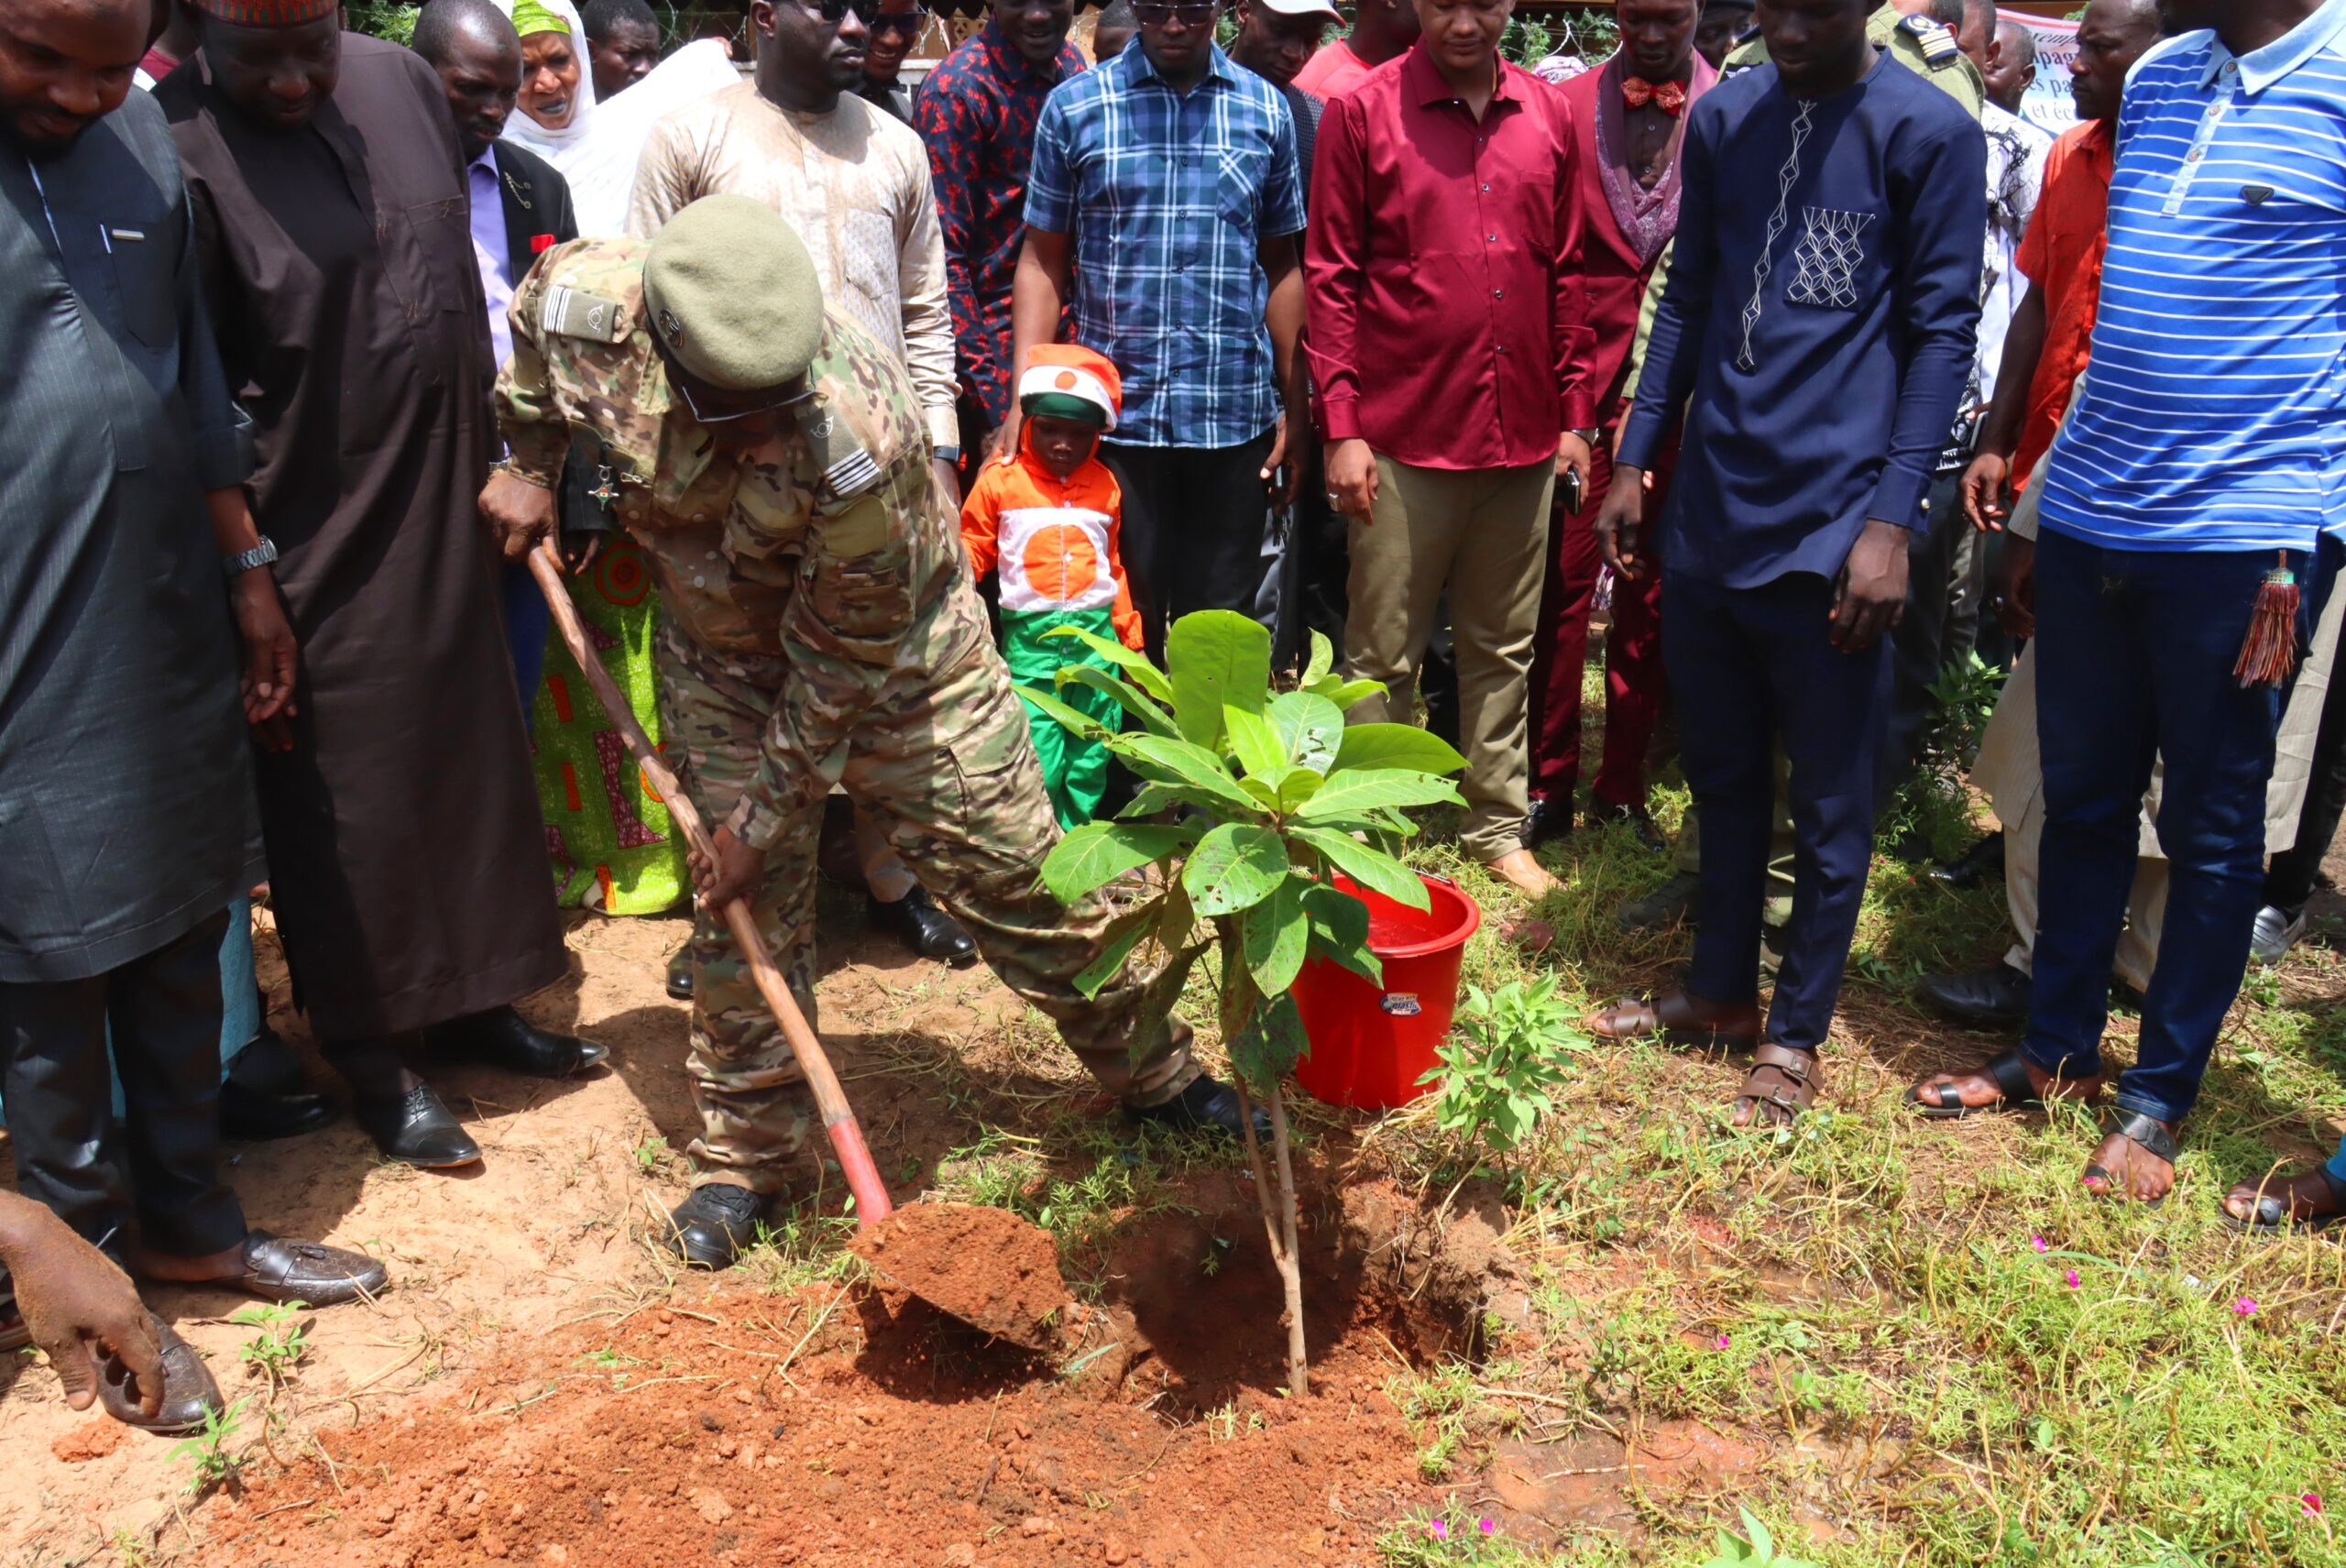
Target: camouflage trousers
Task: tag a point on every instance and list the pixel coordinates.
(961, 799)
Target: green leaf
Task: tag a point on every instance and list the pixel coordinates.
(1349, 793)
(1236, 866)
(1397, 746)
(1322, 660)
(1153, 717)
(1179, 921)
(1080, 724)
(1145, 676)
(1163, 760)
(1254, 743)
(1097, 854)
(1340, 930)
(1346, 695)
(1373, 869)
(1297, 787)
(1277, 932)
(1124, 935)
(1152, 799)
(1217, 658)
(1270, 1045)
(1308, 729)
(1265, 795)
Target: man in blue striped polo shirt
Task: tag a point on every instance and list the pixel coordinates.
(2206, 450)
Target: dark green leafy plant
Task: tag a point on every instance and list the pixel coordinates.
(1502, 1065)
(1252, 800)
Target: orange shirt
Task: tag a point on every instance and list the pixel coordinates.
(1055, 541)
(2061, 254)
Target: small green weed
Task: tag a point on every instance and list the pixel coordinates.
(1501, 1069)
(282, 1341)
(207, 1451)
(1754, 1549)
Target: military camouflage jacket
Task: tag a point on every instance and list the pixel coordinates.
(831, 548)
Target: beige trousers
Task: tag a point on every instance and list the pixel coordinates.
(1481, 536)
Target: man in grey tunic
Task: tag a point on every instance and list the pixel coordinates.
(127, 808)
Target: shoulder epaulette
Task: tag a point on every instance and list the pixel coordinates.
(1938, 46)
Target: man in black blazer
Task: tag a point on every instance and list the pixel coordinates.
(520, 209)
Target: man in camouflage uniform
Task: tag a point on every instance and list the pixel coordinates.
(819, 628)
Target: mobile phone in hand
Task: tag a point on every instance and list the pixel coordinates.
(1572, 500)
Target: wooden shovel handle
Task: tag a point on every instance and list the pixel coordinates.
(871, 1204)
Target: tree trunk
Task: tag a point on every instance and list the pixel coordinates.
(1298, 1372)
(1278, 1227)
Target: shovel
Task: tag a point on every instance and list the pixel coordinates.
(986, 1266)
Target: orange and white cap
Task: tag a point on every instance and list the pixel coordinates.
(1082, 383)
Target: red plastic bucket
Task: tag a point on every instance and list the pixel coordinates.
(1370, 1044)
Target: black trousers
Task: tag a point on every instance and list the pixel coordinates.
(2289, 880)
(162, 1163)
(1918, 646)
(1192, 529)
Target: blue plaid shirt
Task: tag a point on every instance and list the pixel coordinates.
(1167, 196)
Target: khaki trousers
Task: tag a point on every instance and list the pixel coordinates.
(1481, 535)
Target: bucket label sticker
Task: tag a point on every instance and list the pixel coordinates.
(1401, 1004)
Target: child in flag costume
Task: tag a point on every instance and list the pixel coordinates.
(1047, 520)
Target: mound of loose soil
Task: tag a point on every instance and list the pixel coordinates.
(845, 1426)
(986, 1266)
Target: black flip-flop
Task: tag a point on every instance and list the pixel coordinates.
(2015, 1091)
(2145, 1133)
(2272, 1218)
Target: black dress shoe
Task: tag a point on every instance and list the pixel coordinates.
(1994, 998)
(502, 1037)
(252, 1116)
(680, 977)
(277, 1269)
(716, 1224)
(1974, 866)
(1206, 1106)
(189, 1393)
(1640, 823)
(416, 1129)
(1550, 820)
(915, 921)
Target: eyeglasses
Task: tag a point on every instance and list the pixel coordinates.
(681, 381)
(1157, 13)
(907, 22)
(836, 10)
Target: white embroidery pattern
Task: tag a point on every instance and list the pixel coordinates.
(1829, 255)
(1786, 179)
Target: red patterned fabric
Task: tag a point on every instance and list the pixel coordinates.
(1670, 97)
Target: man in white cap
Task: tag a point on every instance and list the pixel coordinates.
(1276, 39)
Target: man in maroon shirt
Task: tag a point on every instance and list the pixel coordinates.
(1627, 118)
(1446, 337)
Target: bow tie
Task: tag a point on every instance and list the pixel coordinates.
(1670, 97)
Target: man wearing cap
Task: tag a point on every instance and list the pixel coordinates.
(406, 853)
(820, 629)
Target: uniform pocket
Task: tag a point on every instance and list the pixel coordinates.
(864, 598)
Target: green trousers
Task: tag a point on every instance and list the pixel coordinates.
(1075, 770)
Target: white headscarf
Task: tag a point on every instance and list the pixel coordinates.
(596, 152)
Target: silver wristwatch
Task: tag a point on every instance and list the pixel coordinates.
(260, 554)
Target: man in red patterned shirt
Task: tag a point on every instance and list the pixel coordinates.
(977, 113)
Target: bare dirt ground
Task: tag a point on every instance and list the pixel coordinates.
(526, 1311)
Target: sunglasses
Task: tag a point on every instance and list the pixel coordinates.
(836, 10)
(1157, 13)
(906, 22)
(680, 380)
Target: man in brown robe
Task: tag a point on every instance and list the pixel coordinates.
(405, 849)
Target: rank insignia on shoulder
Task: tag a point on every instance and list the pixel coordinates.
(847, 467)
(1938, 45)
(573, 314)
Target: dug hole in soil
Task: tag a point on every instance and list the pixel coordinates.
(853, 1424)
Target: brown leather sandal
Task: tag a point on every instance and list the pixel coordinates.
(1677, 1020)
(1790, 1091)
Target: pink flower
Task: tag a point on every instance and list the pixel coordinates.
(2072, 1277)
(1721, 1342)
(2038, 1242)
(1488, 1527)
(2244, 1306)
(2311, 1503)
(1440, 1528)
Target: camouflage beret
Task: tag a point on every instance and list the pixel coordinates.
(731, 291)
